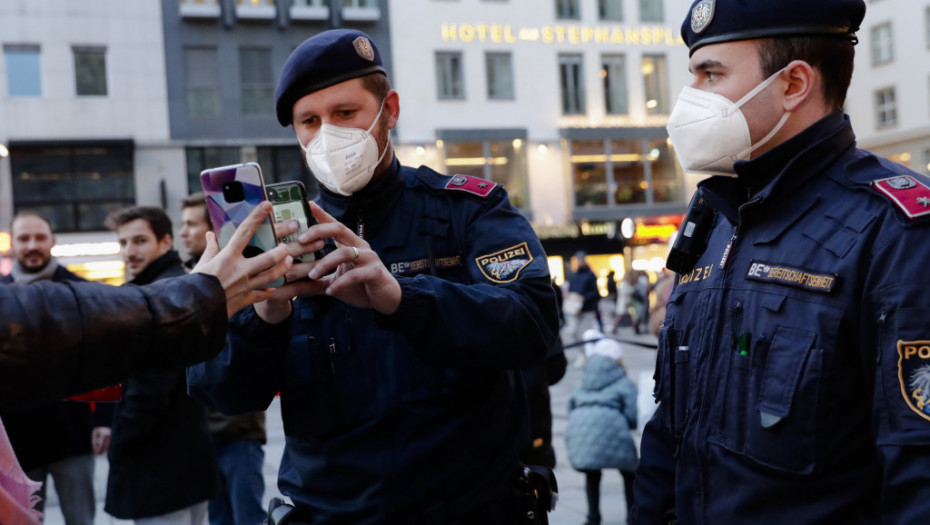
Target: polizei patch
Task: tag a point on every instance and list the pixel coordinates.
(505, 266)
(914, 375)
(791, 276)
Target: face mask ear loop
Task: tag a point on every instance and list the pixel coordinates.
(755, 91)
(771, 134)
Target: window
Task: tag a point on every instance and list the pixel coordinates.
(651, 11)
(886, 111)
(567, 10)
(359, 3)
(610, 10)
(282, 163)
(90, 71)
(655, 77)
(199, 159)
(882, 49)
(926, 164)
(23, 76)
(500, 161)
(449, 83)
(202, 82)
(623, 171)
(74, 184)
(614, 75)
(500, 76)
(571, 82)
(257, 81)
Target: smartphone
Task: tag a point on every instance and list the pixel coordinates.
(232, 192)
(289, 201)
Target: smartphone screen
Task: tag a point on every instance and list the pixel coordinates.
(232, 192)
(289, 201)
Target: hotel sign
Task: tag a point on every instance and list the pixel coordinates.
(507, 34)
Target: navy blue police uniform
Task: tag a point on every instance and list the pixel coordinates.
(417, 415)
(793, 371)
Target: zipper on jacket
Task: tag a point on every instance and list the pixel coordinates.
(360, 225)
(726, 251)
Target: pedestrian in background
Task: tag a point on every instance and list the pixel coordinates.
(237, 439)
(581, 302)
(793, 376)
(162, 464)
(59, 439)
(601, 414)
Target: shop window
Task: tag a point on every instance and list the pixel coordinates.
(74, 185)
(199, 159)
(286, 163)
(608, 172)
(500, 161)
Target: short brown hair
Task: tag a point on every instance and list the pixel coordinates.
(198, 199)
(30, 213)
(158, 220)
(833, 57)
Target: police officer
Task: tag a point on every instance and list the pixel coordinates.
(792, 372)
(396, 361)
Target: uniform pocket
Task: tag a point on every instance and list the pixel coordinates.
(768, 413)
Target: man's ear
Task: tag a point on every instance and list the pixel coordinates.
(392, 108)
(165, 244)
(802, 83)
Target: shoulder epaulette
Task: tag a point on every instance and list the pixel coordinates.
(908, 193)
(473, 185)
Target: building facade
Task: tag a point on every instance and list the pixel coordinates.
(889, 99)
(564, 102)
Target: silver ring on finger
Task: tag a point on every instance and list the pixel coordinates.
(354, 249)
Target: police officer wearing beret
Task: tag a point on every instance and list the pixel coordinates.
(396, 362)
(793, 372)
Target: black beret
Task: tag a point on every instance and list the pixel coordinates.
(715, 21)
(321, 61)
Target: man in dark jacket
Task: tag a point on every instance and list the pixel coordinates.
(161, 456)
(59, 438)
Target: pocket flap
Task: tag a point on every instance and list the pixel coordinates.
(786, 359)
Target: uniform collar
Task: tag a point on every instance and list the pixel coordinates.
(783, 169)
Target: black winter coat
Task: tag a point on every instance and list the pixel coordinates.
(161, 454)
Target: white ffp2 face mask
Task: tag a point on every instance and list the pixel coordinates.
(344, 159)
(710, 133)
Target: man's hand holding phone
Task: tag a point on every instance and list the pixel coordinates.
(243, 278)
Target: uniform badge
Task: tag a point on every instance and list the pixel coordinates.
(914, 375)
(702, 14)
(473, 185)
(364, 49)
(505, 266)
(908, 193)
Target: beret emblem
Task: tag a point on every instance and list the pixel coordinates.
(364, 49)
(701, 15)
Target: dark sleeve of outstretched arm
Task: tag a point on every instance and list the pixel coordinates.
(61, 339)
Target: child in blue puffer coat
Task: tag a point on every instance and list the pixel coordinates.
(601, 413)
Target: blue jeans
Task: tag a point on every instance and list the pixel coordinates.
(74, 483)
(241, 485)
